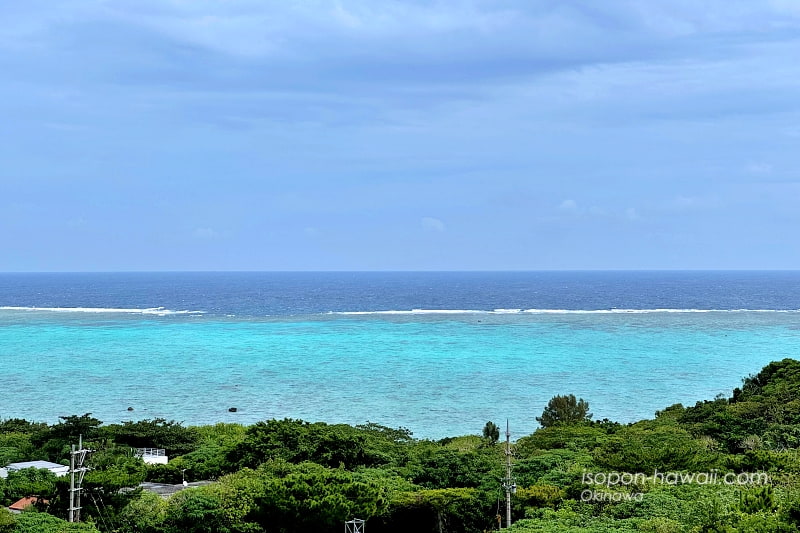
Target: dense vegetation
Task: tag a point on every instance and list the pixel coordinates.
(572, 475)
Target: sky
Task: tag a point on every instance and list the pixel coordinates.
(399, 135)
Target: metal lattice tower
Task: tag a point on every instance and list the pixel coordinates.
(508, 483)
(76, 473)
(354, 526)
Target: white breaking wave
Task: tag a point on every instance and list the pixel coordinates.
(158, 311)
(412, 312)
(556, 311)
(650, 311)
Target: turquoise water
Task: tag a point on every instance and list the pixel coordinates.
(437, 374)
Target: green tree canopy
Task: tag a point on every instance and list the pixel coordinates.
(156, 433)
(491, 432)
(564, 410)
(31, 522)
(313, 498)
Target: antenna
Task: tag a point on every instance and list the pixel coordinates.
(356, 525)
(508, 482)
(76, 473)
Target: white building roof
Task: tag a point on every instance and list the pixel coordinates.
(55, 468)
(34, 464)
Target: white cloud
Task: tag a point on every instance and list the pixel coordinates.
(759, 168)
(568, 205)
(693, 203)
(346, 17)
(78, 222)
(432, 224)
(205, 233)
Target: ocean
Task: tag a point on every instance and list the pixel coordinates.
(440, 353)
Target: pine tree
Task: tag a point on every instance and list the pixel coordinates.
(564, 410)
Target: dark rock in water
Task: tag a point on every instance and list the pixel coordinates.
(232, 409)
(130, 408)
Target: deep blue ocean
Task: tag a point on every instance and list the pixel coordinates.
(439, 353)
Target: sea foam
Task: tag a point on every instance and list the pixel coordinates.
(554, 311)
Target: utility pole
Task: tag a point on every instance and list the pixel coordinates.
(508, 483)
(71, 508)
(76, 459)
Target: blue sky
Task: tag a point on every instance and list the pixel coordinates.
(378, 135)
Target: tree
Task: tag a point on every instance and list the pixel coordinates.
(156, 433)
(564, 410)
(450, 509)
(313, 498)
(54, 442)
(30, 482)
(447, 468)
(7, 521)
(143, 514)
(196, 511)
(491, 432)
(73, 426)
(297, 441)
(32, 522)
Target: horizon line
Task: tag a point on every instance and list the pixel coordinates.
(397, 271)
